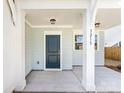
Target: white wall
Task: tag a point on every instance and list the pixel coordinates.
(77, 54)
(70, 56)
(37, 49)
(99, 54)
(10, 64)
(28, 49)
(67, 49)
(112, 36)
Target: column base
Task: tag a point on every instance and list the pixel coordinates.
(89, 87)
(20, 86)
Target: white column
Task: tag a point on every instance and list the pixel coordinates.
(88, 80)
(20, 25)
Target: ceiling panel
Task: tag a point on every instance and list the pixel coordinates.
(106, 17)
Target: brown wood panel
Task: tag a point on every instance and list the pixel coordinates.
(113, 53)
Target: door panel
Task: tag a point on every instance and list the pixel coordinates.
(52, 51)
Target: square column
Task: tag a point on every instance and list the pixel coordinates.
(88, 79)
(20, 25)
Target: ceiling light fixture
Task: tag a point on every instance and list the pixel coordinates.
(97, 24)
(52, 21)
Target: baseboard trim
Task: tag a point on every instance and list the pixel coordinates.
(67, 69)
(99, 66)
(76, 65)
(82, 66)
(37, 70)
(28, 74)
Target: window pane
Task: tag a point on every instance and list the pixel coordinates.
(78, 42)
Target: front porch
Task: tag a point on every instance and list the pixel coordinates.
(106, 81)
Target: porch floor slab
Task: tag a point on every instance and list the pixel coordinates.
(53, 81)
(106, 80)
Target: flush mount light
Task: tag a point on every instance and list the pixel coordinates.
(97, 24)
(52, 21)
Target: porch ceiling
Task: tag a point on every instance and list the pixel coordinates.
(108, 18)
(63, 17)
(73, 17)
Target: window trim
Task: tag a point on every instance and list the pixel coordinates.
(75, 42)
(83, 42)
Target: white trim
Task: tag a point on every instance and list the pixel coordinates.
(48, 26)
(74, 42)
(83, 41)
(77, 32)
(53, 33)
(52, 26)
(27, 22)
(53, 69)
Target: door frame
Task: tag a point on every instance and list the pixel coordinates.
(53, 33)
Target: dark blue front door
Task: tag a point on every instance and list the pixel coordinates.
(52, 51)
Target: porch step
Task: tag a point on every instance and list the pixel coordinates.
(46, 92)
(66, 92)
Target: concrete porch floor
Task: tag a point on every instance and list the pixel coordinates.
(106, 79)
(70, 81)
